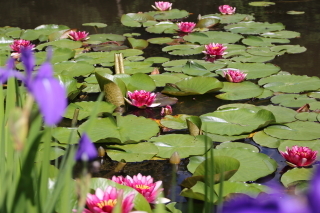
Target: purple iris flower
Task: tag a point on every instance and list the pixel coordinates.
(86, 150)
(46, 90)
(314, 192)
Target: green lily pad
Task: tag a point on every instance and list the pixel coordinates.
(254, 70)
(212, 36)
(252, 165)
(175, 122)
(135, 19)
(296, 174)
(228, 19)
(59, 55)
(121, 128)
(185, 145)
(157, 60)
(266, 140)
(291, 49)
(73, 69)
(307, 116)
(233, 120)
(293, 12)
(183, 49)
(261, 41)
(94, 24)
(281, 34)
(237, 145)
(138, 81)
(282, 114)
(239, 91)
(107, 37)
(160, 40)
(261, 3)
(194, 66)
(207, 22)
(85, 109)
(252, 27)
(193, 86)
(298, 130)
(292, 100)
(315, 105)
(62, 134)
(132, 152)
(170, 14)
(63, 43)
(138, 43)
(231, 187)
(55, 152)
(162, 79)
(314, 95)
(163, 27)
(225, 138)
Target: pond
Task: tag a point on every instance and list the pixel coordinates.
(30, 14)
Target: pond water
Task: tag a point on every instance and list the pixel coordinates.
(30, 14)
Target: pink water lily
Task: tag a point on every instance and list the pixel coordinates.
(299, 156)
(143, 184)
(105, 201)
(142, 99)
(215, 49)
(167, 110)
(20, 44)
(78, 35)
(186, 27)
(235, 76)
(227, 9)
(162, 5)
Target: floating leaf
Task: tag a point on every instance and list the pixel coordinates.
(170, 14)
(94, 24)
(281, 34)
(73, 69)
(62, 134)
(228, 19)
(239, 91)
(212, 36)
(162, 79)
(138, 43)
(266, 140)
(261, 41)
(282, 114)
(293, 12)
(163, 27)
(237, 145)
(175, 122)
(183, 49)
(135, 19)
(233, 120)
(261, 3)
(296, 174)
(207, 22)
(252, 27)
(292, 100)
(225, 138)
(160, 40)
(185, 145)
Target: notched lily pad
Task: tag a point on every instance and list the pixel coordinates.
(212, 36)
(239, 91)
(252, 27)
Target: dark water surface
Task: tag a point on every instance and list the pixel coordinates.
(28, 14)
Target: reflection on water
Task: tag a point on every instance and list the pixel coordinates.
(30, 14)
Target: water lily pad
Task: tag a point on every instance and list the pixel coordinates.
(122, 128)
(62, 134)
(298, 130)
(163, 27)
(95, 24)
(237, 145)
(266, 140)
(261, 3)
(292, 100)
(314, 95)
(296, 174)
(261, 41)
(228, 19)
(255, 70)
(225, 138)
(175, 122)
(73, 69)
(307, 116)
(183, 49)
(138, 81)
(315, 105)
(162, 79)
(293, 12)
(170, 14)
(233, 120)
(160, 40)
(185, 145)
(252, 165)
(59, 55)
(239, 91)
(63, 43)
(281, 34)
(193, 67)
(85, 109)
(138, 43)
(252, 27)
(157, 60)
(193, 86)
(207, 22)
(291, 49)
(282, 114)
(212, 36)
(132, 152)
(135, 19)
(107, 37)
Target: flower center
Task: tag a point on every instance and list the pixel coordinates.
(214, 48)
(104, 203)
(142, 187)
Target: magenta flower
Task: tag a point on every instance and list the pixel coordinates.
(299, 156)
(18, 45)
(227, 9)
(167, 110)
(142, 99)
(46, 90)
(162, 5)
(186, 27)
(235, 76)
(213, 49)
(86, 150)
(78, 36)
(143, 184)
(105, 201)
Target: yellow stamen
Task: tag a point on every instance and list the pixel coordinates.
(142, 187)
(110, 202)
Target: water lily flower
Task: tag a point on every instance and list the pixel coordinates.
(162, 5)
(167, 110)
(227, 9)
(105, 201)
(20, 44)
(86, 150)
(299, 156)
(186, 27)
(142, 99)
(143, 184)
(235, 76)
(78, 36)
(45, 89)
(215, 49)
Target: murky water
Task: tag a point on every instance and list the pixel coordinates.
(30, 14)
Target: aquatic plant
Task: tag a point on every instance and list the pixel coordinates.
(142, 99)
(186, 27)
(299, 156)
(143, 184)
(215, 49)
(227, 9)
(234, 76)
(105, 201)
(86, 150)
(162, 5)
(20, 44)
(167, 110)
(78, 35)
